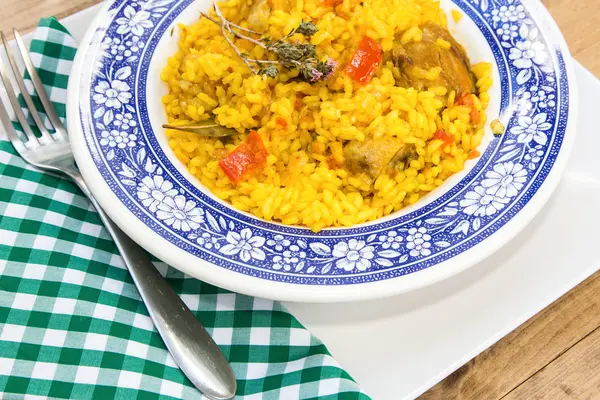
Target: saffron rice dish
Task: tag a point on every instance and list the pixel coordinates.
(339, 111)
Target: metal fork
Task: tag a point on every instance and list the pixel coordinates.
(191, 346)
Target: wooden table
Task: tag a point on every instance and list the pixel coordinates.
(556, 354)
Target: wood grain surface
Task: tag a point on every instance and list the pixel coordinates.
(554, 355)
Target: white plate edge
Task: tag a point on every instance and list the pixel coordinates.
(245, 284)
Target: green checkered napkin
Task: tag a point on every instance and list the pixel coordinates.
(72, 324)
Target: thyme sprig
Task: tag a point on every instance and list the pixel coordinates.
(291, 55)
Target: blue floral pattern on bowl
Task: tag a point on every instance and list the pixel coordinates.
(512, 168)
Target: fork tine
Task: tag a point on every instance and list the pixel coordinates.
(12, 97)
(10, 130)
(18, 143)
(24, 92)
(39, 87)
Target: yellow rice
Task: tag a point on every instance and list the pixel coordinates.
(300, 186)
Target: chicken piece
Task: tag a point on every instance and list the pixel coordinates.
(374, 155)
(402, 158)
(426, 54)
(258, 19)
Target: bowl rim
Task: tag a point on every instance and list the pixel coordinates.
(246, 284)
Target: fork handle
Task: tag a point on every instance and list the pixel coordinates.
(191, 346)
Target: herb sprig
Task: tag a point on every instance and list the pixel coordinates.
(301, 56)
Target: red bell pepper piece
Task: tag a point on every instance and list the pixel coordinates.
(473, 154)
(248, 156)
(281, 122)
(365, 60)
(443, 136)
(465, 99)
